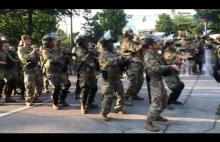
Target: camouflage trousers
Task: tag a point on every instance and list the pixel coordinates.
(158, 99)
(88, 85)
(136, 78)
(108, 88)
(46, 81)
(11, 81)
(33, 83)
(57, 80)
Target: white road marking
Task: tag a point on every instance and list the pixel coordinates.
(22, 108)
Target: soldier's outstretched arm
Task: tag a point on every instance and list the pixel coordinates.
(153, 65)
(109, 60)
(14, 60)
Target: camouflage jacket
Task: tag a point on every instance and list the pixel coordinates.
(109, 61)
(84, 60)
(190, 48)
(53, 60)
(3, 57)
(26, 55)
(131, 48)
(154, 64)
(172, 56)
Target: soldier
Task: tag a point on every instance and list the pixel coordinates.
(11, 72)
(3, 60)
(32, 75)
(66, 52)
(199, 55)
(173, 81)
(111, 83)
(155, 68)
(190, 48)
(45, 78)
(54, 63)
(86, 70)
(129, 49)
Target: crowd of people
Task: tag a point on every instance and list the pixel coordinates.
(30, 69)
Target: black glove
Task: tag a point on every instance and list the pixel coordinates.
(190, 58)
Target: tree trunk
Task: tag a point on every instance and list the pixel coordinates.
(30, 22)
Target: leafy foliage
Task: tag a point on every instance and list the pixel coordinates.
(164, 24)
(107, 19)
(34, 22)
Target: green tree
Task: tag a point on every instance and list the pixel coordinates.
(34, 22)
(181, 23)
(62, 34)
(164, 24)
(107, 19)
(213, 16)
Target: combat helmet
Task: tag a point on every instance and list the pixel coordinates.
(127, 31)
(150, 39)
(81, 36)
(47, 39)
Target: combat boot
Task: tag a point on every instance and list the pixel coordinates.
(37, 100)
(91, 105)
(1, 103)
(9, 100)
(137, 98)
(83, 109)
(104, 117)
(119, 111)
(169, 107)
(28, 104)
(218, 111)
(127, 102)
(56, 107)
(177, 103)
(46, 90)
(22, 97)
(149, 126)
(64, 103)
(162, 119)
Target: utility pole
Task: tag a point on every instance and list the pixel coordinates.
(71, 29)
(178, 23)
(205, 27)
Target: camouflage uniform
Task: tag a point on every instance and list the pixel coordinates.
(88, 79)
(190, 48)
(135, 69)
(155, 67)
(3, 58)
(109, 61)
(32, 74)
(54, 64)
(11, 76)
(64, 72)
(173, 81)
(45, 78)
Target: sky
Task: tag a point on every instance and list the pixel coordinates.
(135, 22)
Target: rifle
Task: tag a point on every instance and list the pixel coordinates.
(148, 86)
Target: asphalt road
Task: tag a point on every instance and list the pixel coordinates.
(200, 98)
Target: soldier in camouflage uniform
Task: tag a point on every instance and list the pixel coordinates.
(11, 72)
(54, 65)
(3, 60)
(32, 75)
(65, 52)
(130, 48)
(173, 81)
(45, 78)
(155, 67)
(87, 70)
(109, 62)
(190, 48)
